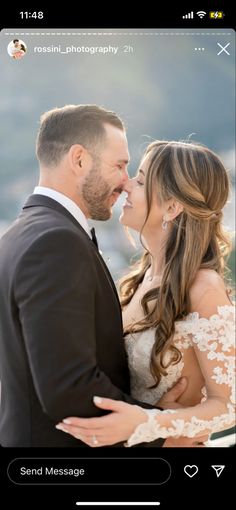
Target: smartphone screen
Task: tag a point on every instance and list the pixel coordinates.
(169, 81)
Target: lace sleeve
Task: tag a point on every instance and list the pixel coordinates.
(213, 342)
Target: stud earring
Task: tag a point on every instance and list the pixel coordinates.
(164, 225)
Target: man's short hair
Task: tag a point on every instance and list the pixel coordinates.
(61, 128)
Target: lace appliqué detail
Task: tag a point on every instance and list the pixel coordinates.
(151, 429)
(204, 393)
(214, 337)
(138, 347)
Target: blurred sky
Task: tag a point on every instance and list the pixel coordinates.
(162, 87)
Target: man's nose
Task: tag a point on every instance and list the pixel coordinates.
(125, 176)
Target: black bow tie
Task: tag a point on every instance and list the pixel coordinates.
(94, 239)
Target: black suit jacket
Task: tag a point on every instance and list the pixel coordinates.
(61, 339)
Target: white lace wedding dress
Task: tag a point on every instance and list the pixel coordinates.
(209, 344)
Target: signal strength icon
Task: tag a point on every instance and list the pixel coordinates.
(201, 14)
(188, 16)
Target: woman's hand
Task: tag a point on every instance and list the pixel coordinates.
(119, 425)
(113, 428)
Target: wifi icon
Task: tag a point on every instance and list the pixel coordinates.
(201, 14)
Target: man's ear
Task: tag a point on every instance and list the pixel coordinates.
(174, 208)
(76, 155)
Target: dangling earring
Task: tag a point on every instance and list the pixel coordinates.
(164, 225)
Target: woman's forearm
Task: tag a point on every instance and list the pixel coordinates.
(213, 415)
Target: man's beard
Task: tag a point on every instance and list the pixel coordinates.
(96, 193)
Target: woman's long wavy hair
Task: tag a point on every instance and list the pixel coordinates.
(195, 177)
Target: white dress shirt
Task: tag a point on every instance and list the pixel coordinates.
(66, 202)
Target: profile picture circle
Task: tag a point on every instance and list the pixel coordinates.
(16, 49)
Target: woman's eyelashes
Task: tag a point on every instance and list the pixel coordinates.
(139, 182)
(139, 178)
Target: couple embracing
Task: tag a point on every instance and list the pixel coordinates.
(80, 365)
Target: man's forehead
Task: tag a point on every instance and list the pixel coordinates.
(115, 134)
(116, 145)
(118, 155)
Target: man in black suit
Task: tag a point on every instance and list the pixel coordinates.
(60, 319)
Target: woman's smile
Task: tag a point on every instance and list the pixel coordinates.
(127, 204)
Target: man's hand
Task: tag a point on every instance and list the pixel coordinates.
(170, 401)
(185, 442)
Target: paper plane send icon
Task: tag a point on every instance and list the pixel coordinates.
(218, 470)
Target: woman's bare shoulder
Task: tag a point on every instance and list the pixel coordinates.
(208, 291)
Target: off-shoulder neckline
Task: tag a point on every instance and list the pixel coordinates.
(194, 316)
(220, 312)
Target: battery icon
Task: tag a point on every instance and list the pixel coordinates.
(216, 14)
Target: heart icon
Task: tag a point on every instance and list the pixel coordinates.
(191, 470)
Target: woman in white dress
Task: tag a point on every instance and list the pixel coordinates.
(177, 313)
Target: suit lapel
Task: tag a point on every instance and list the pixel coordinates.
(43, 201)
(108, 275)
